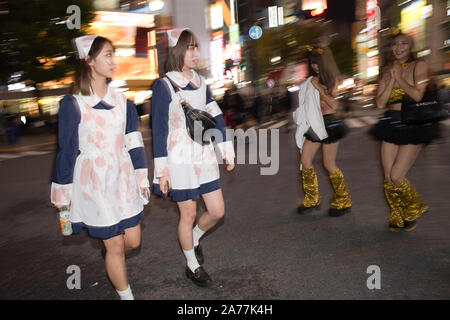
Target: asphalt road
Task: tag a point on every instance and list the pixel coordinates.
(261, 250)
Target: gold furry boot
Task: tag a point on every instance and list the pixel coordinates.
(341, 202)
(394, 196)
(311, 189)
(413, 202)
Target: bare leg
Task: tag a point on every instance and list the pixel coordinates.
(215, 210)
(115, 262)
(406, 156)
(308, 152)
(389, 153)
(188, 212)
(132, 238)
(329, 153)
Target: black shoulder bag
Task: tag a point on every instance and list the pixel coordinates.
(196, 120)
(427, 110)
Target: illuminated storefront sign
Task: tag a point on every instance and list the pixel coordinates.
(216, 16)
(217, 54)
(273, 17)
(414, 23)
(314, 4)
(371, 60)
(234, 33)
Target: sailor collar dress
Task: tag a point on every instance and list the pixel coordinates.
(100, 164)
(193, 168)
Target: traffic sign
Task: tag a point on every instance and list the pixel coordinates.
(255, 32)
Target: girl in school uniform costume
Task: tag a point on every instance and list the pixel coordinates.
(101, 167)
(184, 169)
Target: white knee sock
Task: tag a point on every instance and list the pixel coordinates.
(126, 294)
(191, 260)
(197, 233)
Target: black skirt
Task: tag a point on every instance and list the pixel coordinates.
(390, 128)
(336, 130)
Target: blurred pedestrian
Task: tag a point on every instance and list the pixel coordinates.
(3, 119)
(184, 169)
(257, 105)
(233, 107)
(318, 127)
(105, 186)
(13, 128)
(401, 143)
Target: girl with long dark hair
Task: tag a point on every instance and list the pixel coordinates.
(318, 127)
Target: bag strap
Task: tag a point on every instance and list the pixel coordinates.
(176, 88)
(174, 85)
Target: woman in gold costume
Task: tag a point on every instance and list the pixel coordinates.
(320, 95)
(401, 143)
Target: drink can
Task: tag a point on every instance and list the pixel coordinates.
(66, 225)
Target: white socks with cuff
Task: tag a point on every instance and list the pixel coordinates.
(125, 294)
(191, 259)
(197, 233)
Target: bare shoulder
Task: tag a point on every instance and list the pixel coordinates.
(421, 66)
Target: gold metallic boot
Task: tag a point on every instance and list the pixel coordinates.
(394, 196)
(414, 204)
(396, 222)
(341, 202)
(311, 189)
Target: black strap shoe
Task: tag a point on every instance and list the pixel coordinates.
(199, 254)
(410, 226)
(302, 209)
(338, 212)
(199, 277)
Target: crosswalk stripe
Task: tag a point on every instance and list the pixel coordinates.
(267, 124)
(446, 122)
(34, 153)
(354, 123)
(7, 156)
(278, 125)
(369, 120)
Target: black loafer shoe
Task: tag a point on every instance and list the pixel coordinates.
(199, 277)
(338, 212)
(199, 254)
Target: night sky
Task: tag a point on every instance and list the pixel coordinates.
(341, 10)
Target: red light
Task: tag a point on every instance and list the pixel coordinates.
(317, 12)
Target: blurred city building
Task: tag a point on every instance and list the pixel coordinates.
(426, 21)
(232, 56)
